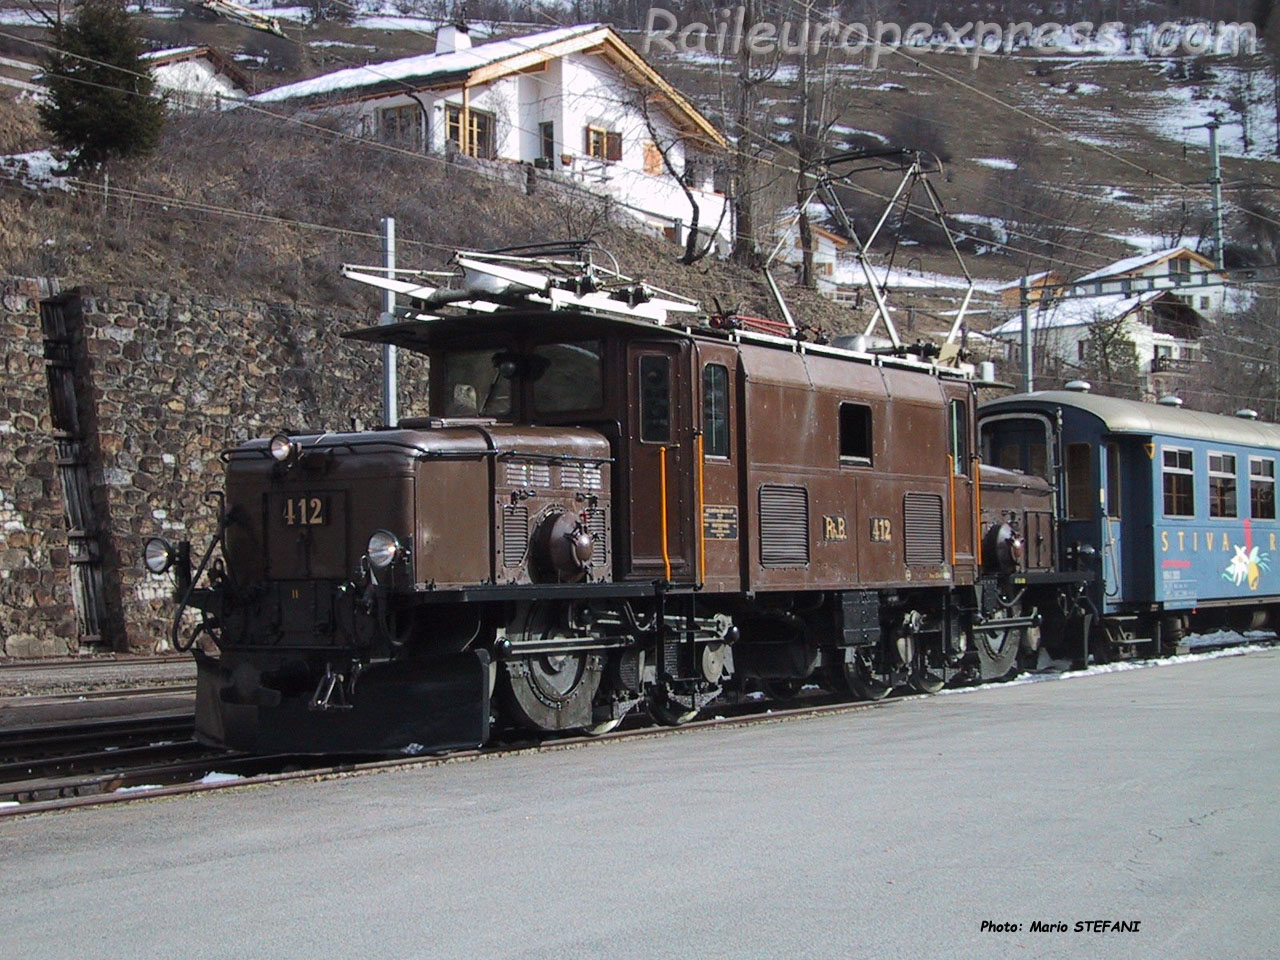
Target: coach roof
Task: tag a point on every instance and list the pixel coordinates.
(1148, 419)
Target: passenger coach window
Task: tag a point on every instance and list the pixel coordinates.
(958, 427)
(567, 376)
(715, 410)
(1080, 491)
(855, 433)
(1262, 488)
(1222, 485)
(1179, 483)
(655, 399)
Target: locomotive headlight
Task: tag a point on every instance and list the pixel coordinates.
(158, 555)
(384, 549)
(283, 449)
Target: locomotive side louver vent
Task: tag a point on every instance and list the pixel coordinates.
(922, 526)
(580, 476)
(596, 527)
(784, 526)
(528, 475)
(515, 535)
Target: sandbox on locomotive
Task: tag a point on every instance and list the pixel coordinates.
(617, 503)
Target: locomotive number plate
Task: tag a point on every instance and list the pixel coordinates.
(881, 530)
(305, 510)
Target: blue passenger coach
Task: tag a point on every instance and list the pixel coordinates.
(1175, 509)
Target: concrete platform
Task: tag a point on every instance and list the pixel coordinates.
(1147, 796)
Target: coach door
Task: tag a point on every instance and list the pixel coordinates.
(720, 539)
(661, 477)
(961, 491)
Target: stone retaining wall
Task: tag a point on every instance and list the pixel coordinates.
(164, 384)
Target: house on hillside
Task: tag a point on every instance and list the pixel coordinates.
(196, 78)
(1011, 293)
(578, 103)
(1069, 336)
(1177, 264)
(828, 248)
(1163, 328)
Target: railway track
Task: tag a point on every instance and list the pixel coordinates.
(136, 775)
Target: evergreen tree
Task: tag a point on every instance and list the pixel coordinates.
(100, 103)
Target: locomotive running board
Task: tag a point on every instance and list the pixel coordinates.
(400, 707)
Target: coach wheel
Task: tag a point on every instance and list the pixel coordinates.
(998, 649)
(924, 680)
(862, 681)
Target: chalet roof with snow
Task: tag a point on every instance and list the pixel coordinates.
(217, 60)
(1132, 265)
(1080, 312)
(491, 61)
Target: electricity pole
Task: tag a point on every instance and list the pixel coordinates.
(390, 415)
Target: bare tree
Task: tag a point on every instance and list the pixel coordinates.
(669, 143)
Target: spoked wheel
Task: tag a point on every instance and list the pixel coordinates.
(924, 680)
(862, 680)
(550, 691)
(998, 649)
(603, 727)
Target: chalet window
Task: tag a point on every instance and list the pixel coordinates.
(1222, 485)
(655, 399)
(1080, 493)
(547, 140)
(1179, 483)
(1262, 488)
(481, 131)
(1180, 268)
(401, 126)
(855, 433)
(652, 159)
(958, 437)
(603, 144)
(1204, 303)
(715, 410)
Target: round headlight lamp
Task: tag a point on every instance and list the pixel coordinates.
(283, 449)
(158, 555)
(384, 549)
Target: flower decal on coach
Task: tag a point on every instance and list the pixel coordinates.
(1248, 563)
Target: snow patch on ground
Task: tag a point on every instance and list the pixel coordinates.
(1175, 109)
(35, 170)
(216, 777)
(996, 163)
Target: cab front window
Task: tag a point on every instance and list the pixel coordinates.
(553, 377)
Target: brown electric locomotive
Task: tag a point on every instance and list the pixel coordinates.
(616, 503)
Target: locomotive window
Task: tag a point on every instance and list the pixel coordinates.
(569, 376)
(715, 410)
(474, 385)
(1113, 480)
(855, 433)
(958, 428)
(1262, 488)
(1179, 483)
(1080, 491)
(1016, 444)
(655, 399)
(1222, 485)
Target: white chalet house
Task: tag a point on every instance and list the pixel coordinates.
(828, 247)
(576, 102)
(197, 77)
(1165, 327)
